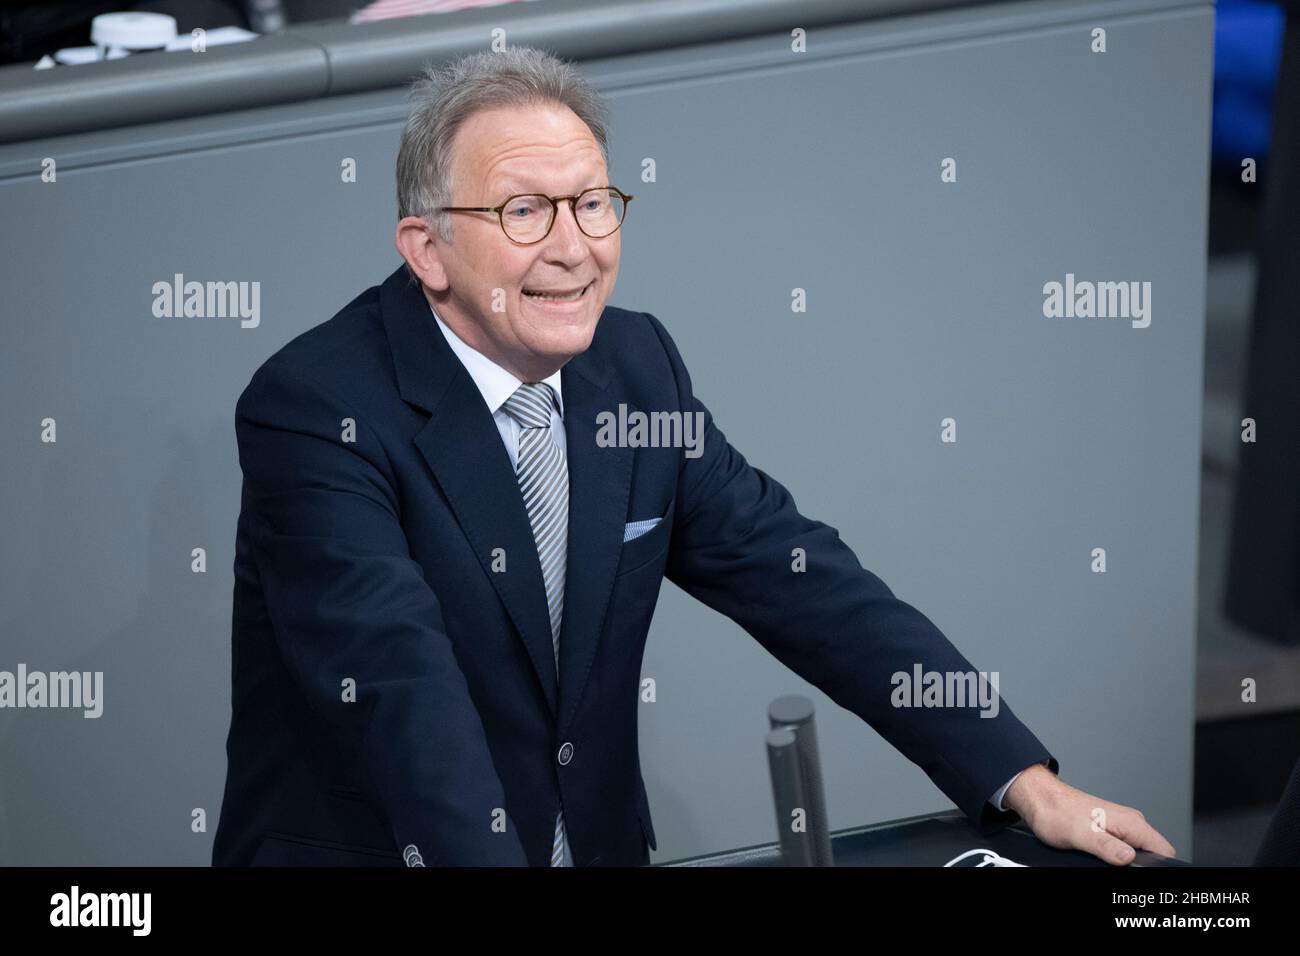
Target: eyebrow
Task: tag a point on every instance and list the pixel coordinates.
(512, 188)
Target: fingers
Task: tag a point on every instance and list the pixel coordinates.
(1130, 826)
(1111, 849)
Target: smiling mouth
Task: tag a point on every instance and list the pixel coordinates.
(572, 295)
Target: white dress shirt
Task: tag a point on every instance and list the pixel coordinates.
(497, 385)
(996, 799)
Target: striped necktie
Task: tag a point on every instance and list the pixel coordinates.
(543, 478)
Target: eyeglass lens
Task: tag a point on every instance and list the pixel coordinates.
(527, 218)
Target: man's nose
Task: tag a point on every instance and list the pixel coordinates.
(566, 226)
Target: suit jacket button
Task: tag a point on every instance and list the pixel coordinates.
(566, 754)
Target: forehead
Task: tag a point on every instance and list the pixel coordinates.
(535, 148)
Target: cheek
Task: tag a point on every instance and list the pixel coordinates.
(509, 279)
(506, 269)
(609, 266)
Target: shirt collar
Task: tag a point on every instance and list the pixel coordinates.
(494, 382)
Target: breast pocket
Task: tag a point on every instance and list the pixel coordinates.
(647, 547)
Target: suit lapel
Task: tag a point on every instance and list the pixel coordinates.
(599, 480)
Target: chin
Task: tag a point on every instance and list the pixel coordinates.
(567, 342)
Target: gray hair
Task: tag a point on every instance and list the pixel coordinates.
(443, 97)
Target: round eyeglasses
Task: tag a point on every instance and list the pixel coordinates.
(528, 217)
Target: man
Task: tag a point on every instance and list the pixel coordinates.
(445, 574)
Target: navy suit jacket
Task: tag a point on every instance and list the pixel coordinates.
(394, 696)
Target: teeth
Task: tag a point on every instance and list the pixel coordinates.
(555, 298)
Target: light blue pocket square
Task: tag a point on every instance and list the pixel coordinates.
(634, 529)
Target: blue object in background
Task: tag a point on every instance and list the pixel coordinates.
(1247, 51)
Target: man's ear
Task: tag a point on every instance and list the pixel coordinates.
(416, 246)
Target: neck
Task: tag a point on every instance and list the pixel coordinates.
(469, 333)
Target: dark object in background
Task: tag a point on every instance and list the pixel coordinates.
(31, 30)
(1247, 47)
(316, 11)
(1281, 843)
(1263, 587)
(265, 16)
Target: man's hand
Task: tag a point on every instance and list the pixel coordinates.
(1070, 819)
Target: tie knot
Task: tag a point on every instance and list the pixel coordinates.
(531, 404)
